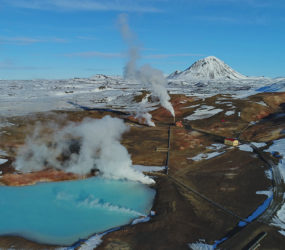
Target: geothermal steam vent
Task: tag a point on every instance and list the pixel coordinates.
(97, 146)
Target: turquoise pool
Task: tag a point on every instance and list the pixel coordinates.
(63, 212)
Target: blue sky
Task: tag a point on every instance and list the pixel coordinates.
(73, 38)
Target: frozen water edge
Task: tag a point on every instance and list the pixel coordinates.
(95, 240)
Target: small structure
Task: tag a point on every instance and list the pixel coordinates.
(179, 124)
(231, 142)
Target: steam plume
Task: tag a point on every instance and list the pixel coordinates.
(133, 49)
(145, 74)
(79, 148)
(141, 114)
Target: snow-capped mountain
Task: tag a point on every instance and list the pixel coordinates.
(209, 68)
(174, 74)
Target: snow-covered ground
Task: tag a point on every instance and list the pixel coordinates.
(2, 161)
(203, 113)
(200, 246)
(279, 146)
(20, 97)
(215, 149)
(148, 169)
(279, 218)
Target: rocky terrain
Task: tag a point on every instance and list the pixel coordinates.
(209, 194)
(209, 188)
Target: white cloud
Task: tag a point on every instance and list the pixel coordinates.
(83, 5)
(114, 54)
(243, 20)
(29, 40)
(95, 54)
(18, 40)
(87, 38)
(10, 65)
(161, 56)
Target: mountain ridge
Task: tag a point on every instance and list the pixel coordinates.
(208, 68)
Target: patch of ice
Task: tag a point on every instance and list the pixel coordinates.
(230, 112)
(141, 220)
(279, 218)
(2, 152)
(92, 242)
(268, 174)
(259, 144)
(262, 103)
(200, 246)
(277, 86)
(279, 146)
(148, 169)
(6, 124)
(205, 156)
(217, 146)
(282, 232)
(268, 193)
(152, 213)
(203, 113)
(192, 106)
(2, 161)
(245, 147)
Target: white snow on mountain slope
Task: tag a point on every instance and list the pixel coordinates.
(209, 68)
(211, 75)
(174, 74)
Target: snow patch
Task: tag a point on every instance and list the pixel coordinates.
(203, 113)
(279, 146)
(141, 220)
(92, 242)
(268, 174)
(259, 144)
(279, 218)
(205, 156)
(2, 161)
(245, 147)
(200, 246)
(268, 193)
(4, 153)
(282, 232)
(148, 169)
(6, 124)
(231, 112)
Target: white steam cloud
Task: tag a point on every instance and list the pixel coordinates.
(142, 115)
(145, 74)
(80, 148)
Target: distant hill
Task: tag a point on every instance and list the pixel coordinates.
(209, 68)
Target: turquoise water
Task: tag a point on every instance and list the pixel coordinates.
(63, 212)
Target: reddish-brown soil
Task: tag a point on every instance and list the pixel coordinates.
(182, 216)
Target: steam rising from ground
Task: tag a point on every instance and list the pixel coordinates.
(145, 74)
(79, 148)
(142, 115)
